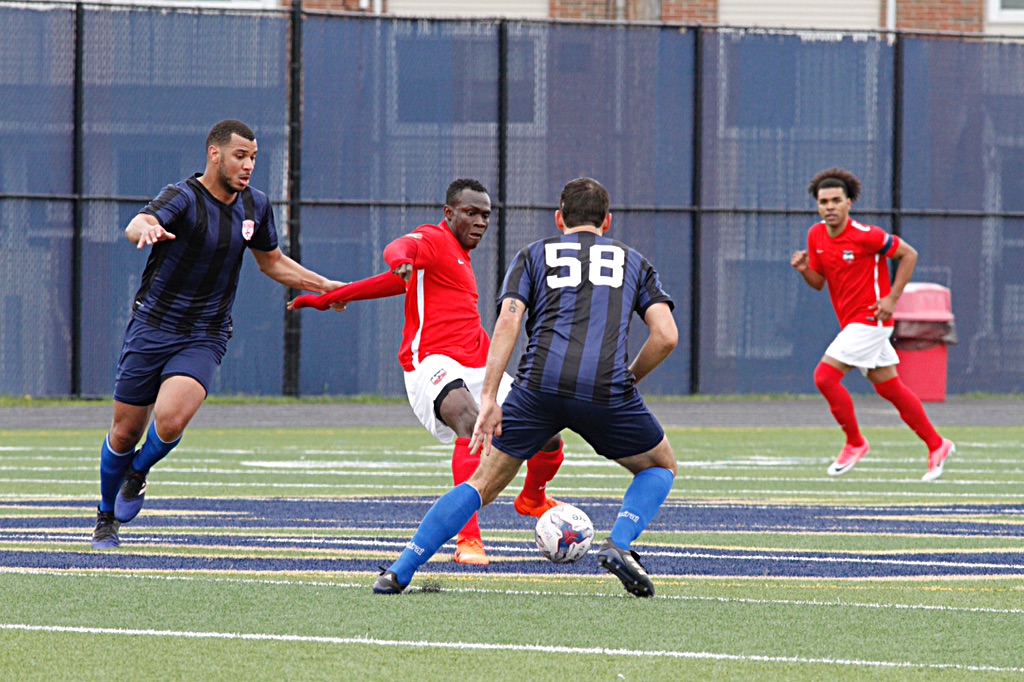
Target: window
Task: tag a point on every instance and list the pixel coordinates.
(1006, 11)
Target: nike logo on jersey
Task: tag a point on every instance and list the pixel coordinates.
(819, 251)
(461, 262)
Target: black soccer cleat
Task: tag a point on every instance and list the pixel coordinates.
(625, 565)
(130, 497)
(105, 534)
(387, 583)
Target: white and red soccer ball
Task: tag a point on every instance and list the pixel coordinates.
(564, 534)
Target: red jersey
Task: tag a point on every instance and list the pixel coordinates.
(441, 314)
(853, 265)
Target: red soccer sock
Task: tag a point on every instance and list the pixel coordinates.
(463, 466)
(828, 379)
(911, 410)
(540, 469)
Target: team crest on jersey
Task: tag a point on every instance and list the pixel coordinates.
(848, 256)
(248, 229)
(439, 376)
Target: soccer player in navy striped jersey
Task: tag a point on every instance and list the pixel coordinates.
(581, 290)
(200, 229)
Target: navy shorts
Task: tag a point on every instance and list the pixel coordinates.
(150, 355)
(531, 418)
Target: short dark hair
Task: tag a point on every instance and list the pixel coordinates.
(835, 177)
(455, 189)
(584, 202)
(220, 134)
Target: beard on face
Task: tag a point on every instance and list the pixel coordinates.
(226, 181)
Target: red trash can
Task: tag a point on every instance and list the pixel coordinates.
(924, 328)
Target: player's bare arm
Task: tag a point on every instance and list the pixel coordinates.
(503, 342)
(283, 270)
(663, 339)
(907, 256)
(145, 230)
(801, 261)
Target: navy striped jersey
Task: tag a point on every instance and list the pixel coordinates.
(189, 284)
(580, 291)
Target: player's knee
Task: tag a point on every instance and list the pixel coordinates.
(826, 376)
(170, 426)
(458, 410)
(664, 457)
(124, 437)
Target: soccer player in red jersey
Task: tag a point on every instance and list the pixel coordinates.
(444, 345)
(851, 259)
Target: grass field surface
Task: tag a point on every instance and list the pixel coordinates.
(254, 556)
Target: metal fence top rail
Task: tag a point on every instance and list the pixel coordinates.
(248, 7)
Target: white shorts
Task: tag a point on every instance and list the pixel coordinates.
(864, 347)
(425, 383)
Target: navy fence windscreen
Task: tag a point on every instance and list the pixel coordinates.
(394, 109)
(964, 133)
(36, 140)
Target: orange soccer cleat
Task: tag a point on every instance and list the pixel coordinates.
(470, 551)
(525, 507)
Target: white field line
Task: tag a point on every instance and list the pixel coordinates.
(401, 471)
(841, 559)
(104, 574)
(932, 492)
(830, 560)
(483, 646)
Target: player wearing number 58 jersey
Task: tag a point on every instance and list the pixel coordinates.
(581, 290)
(583, 355)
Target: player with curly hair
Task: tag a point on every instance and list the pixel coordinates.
(851, 258)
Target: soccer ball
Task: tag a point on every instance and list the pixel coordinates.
(564, 534)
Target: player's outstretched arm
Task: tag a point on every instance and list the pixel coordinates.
(146, 230)
(283, 270)
(663, 339)
(379, 286)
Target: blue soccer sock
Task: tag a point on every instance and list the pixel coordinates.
(153, 450)
(441, 523)
(112, 468)
(640, 504)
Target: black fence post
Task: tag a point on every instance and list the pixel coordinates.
(897, 135)
(695, 244)
(292, 321)
(78, 188)
(502, 149)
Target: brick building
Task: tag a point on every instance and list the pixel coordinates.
(994, 17)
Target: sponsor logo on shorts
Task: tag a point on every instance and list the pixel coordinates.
(248, 229)
(848, 256)
(439, 376)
